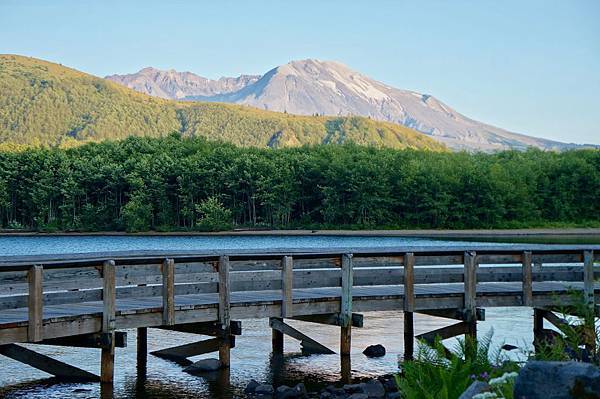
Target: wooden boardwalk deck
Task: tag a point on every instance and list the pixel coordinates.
(84, 299)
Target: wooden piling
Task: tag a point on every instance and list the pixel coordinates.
(277, 338)
(588, 292)
(470, 291)
(142, 352)
(346, 305)
(224, 310)
(107, 364)
(409, 305)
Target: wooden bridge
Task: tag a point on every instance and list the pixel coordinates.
(85, 300)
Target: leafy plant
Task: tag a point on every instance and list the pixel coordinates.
(437, 373)
(579, 340)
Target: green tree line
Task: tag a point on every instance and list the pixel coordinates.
(176, 183)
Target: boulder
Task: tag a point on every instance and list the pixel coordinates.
(558, 380)
(352, 388)
(203, 366)
(390, 385)
(475, 388)
(374, 351)
(358, 396)
(264, 389)
(251, 387)
(373, 389)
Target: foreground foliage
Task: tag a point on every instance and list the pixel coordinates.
(177, 184)
(437, 374)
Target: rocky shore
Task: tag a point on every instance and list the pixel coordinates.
(382, 387)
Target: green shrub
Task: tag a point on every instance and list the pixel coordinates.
(437, 373)
(213, 215)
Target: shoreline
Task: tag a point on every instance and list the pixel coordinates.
(426, 233)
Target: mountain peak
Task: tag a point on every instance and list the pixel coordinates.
(313, 86)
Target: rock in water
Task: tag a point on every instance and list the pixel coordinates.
(264, 389)
(373, 388)
(203, 366)
(374, 351)
(475, 388)
(251, 387)
(558, 380)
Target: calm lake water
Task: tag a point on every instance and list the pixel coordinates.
(252, 356)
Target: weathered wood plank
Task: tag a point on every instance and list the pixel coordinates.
(287, 283)
(35, 304)
(168, 292)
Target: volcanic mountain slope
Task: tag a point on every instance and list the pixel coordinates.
(47, 104)
(177, 85)
(309, 87)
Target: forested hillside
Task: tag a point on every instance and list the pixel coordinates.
(46, 104)
(174, 183)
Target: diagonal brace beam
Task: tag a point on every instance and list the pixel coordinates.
(181, 353)
(445, 332)
(309, 345)
(47, 364)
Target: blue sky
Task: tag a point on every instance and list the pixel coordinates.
(527, 66)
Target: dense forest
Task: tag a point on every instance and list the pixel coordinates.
(49, 105)
(176, 183)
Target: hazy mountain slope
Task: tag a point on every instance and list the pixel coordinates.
(176, 85)
(311, 87)
(42, 103)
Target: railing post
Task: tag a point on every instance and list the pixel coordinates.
(224, 307)
(409, 305)
(35, 304)
(346, 305)
(527, 296)
(588, 276)
(168, 291)
(588, 290)
(287, 285)
(107, 364)
(470, 287)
